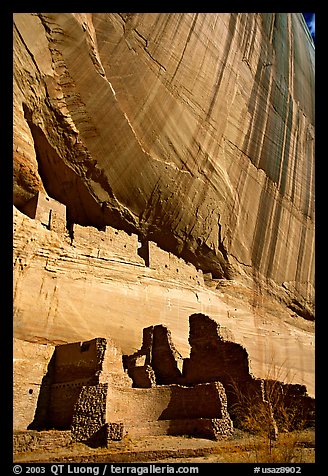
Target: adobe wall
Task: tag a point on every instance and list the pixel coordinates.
(63, 398)
(71, 367)
(77, 367)
(76, 361)
(108, 243)
(167, 265)
(48, 379)
(50, 212)
(56, 283)
(212, 357)
(215, 359)
(112, 372)
(170, 409)
(111, 243)
(30, 365)
(166, 360)
(157, 362)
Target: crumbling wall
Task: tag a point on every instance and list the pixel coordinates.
(76, 361)
(86, 388)
(166, 360)
(171, 409)
(71, 367)
(107, 243)
(112, 371)
(157, 362)
(138, 365)
(214, 358)
(74, 367)
(199, 401)
(81, 370)
(110, 243)
(168, 265)
(31, 440)
(211, 356)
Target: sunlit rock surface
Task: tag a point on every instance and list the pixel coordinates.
(192, 131)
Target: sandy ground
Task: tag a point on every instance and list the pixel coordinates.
(294, 447)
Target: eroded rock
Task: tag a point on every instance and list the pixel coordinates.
(194, 131)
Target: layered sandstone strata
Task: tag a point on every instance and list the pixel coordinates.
(195, 131)
(67, 290)
(164, 166)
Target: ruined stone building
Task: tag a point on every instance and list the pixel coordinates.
(214, 358)
(87, 390)
(183, 188)
(100, 395)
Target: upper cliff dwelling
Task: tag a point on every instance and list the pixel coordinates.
(207, 170)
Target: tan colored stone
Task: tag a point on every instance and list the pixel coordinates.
(182, 146)
(65, 292)
(30, 366)
(193, 130)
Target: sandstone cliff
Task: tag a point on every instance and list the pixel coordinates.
(192, 130)
(164, 166)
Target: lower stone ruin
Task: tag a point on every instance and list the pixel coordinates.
(99, 396)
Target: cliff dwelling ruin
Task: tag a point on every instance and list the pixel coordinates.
(101, 396)
(165, 194)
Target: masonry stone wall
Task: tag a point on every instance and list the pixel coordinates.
(80, 371)
(157, 362)
(199, 401)
(86, 389)
(112, 371)
(72, 368)
(83, 395)
(216, 359)
(211, 356)
(89, 416)
(112, 244)
(166, 360)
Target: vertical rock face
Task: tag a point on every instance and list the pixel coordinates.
(195, 131)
